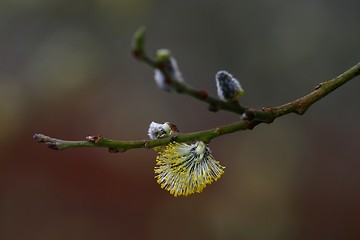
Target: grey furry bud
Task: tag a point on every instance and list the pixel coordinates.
(228, 87)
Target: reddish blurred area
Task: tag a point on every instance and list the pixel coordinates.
(66, 71)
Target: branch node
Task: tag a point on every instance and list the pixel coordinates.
(249, 115)
(319, 86)
(52, 146)
(203, 94)
(173, 138)
(253, 124)
(217, 131)
(301, 110)
(266, 109)
(92, 138)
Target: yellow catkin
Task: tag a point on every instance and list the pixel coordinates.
(184, 169)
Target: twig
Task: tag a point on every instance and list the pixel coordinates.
(122, 146)
(250, 119)
(138, 50)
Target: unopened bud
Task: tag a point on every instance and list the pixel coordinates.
(168, 64)
(161, 130)
(138, 42)
(228, 87)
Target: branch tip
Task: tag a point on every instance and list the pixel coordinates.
(39, 137)
(138, 42)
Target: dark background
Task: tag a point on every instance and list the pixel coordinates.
(66, 71)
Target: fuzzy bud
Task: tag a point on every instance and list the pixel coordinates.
(228, 87)
(161, 130)
(168, 64)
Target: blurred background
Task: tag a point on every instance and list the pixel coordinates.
(66, 71)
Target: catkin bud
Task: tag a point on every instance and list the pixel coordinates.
(161, 130)
(228, 87)
(169, 65)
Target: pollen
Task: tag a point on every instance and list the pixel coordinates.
(184, 169)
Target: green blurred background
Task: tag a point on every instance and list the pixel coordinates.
(66, 71)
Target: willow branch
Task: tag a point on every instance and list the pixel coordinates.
(138, 50)
(250, 117)
(121, 146)
(266, 114)
(249, 121)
